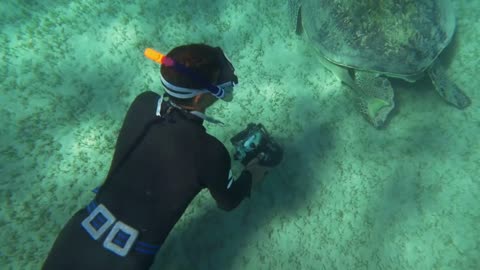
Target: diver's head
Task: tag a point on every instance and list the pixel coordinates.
(210, 76)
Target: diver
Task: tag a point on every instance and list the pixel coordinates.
(163, 158)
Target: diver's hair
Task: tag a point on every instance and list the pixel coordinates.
(200, 58)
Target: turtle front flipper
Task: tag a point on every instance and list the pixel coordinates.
(375, 95)
(447, 89)
(295, 12)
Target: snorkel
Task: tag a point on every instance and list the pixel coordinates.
(216, 90)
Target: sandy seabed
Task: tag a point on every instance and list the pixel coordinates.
(347, 196)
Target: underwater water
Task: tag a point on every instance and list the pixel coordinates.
(347, 195)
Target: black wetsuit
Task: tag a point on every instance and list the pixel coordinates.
(160, 164)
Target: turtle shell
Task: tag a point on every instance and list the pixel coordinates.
(397, 37)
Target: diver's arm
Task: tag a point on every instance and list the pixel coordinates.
(227, 190)
(257, 171)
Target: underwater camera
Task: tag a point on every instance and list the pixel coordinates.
(252, 141)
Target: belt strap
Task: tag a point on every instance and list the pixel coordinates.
(120, 235)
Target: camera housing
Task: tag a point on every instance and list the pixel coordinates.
(254, 140)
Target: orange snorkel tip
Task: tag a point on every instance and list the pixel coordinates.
(158, 57)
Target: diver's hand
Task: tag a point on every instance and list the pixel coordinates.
(258, 171)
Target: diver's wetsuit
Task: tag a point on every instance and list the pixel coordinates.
(160, 164)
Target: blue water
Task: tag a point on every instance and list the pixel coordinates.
(347, 196)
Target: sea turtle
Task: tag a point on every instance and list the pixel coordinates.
(365, 41)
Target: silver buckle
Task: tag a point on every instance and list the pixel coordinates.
(87, 222)
(110, 242)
